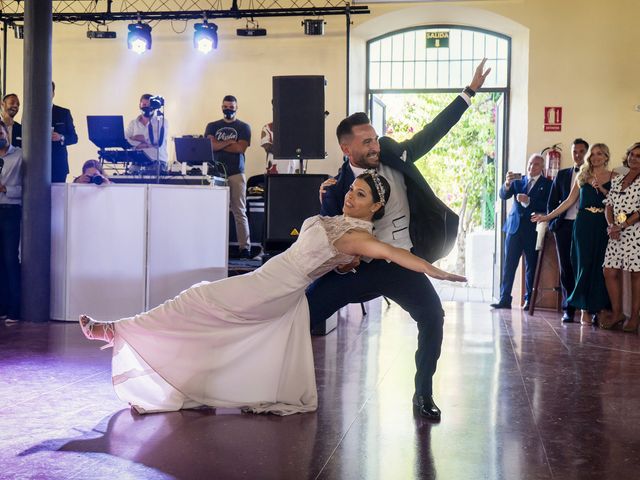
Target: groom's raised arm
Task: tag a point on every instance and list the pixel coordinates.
(432, 133)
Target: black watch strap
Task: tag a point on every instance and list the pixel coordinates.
(468, 91)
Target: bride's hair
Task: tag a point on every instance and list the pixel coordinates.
(375, 190)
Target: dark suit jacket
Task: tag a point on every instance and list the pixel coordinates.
(433, 226)
(16, 135)
(519, 217)
(560, 190)
(62, 122)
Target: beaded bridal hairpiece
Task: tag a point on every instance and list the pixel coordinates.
(378, 184)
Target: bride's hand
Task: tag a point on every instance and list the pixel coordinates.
(452, 277)
(442, 275)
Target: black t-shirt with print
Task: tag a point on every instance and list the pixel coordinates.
(221, 131)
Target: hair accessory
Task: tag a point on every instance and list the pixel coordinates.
(376, 181)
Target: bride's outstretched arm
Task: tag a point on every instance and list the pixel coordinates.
(366, 245)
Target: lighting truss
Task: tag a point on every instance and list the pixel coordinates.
(104, 11)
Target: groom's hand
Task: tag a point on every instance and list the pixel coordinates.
(479, 76)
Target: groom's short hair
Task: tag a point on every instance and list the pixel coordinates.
(345, 127)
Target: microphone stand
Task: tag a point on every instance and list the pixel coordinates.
(160, 114)
(300, 159)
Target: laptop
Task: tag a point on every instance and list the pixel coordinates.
(107, 131)
(193, 151)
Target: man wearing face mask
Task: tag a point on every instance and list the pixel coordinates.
(229, 140)
(149, 132)
(10, 218)
(10, 108)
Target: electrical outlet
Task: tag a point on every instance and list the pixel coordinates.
(637, 108)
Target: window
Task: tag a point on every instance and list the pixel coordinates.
(402, 61)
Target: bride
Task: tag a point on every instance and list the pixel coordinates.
(244, 341)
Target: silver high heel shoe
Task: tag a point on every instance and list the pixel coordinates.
(107, 332)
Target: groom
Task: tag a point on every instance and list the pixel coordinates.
(415, 219)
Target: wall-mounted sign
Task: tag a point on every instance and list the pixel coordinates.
(437, 39)
(552, 119)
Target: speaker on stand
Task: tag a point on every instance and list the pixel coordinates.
(298, 118)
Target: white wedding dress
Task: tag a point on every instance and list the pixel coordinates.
(239, 342)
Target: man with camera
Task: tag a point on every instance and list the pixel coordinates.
(149, 130)
(230, 138)
(531, 193)
(10, 219)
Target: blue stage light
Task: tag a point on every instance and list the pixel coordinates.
(205, 36)
(139, 37)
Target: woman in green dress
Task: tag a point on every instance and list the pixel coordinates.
(589, 240)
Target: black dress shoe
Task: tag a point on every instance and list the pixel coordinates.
(426, 407)
(500, 305)
(526, 305)
(566, 318)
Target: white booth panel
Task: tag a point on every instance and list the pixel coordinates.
(105, 250)
(187, 238)
(58, 251)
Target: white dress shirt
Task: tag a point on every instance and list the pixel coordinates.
(572, 212)
(530, 184)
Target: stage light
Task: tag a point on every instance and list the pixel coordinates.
(313, 26)
(205, 36)
(139, 37)
(252, 29)
(100, 34)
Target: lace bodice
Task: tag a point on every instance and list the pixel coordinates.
(313, 253)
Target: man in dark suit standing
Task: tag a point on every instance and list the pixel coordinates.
(63, 134)
(562, 226)
(10, 108)
(414, 219)
(531, 194)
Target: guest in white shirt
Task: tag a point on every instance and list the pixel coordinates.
(10, 219)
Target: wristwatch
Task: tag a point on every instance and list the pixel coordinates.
(468, 91)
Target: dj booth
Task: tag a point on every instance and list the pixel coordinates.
(117, 250)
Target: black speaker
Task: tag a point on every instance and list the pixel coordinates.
(290, 199)
(298, 117)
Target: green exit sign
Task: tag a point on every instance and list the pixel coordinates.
(437, 39)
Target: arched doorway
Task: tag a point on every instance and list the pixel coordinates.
(415, 72)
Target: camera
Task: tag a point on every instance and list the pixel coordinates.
(96, 179)
(156, 102)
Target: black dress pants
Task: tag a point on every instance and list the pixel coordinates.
(563, 236)
(411, 290)
(10, 219)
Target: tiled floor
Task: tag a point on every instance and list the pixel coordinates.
(522, 398)
(460, 292)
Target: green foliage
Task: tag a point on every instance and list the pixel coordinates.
(460, 167)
